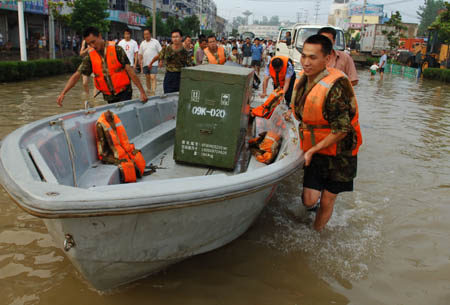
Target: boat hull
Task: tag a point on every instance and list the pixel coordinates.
(114, 250)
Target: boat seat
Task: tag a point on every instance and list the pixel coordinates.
(100, 174)
(151, 143)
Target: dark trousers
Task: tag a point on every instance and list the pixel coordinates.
(172, 82)
(125, 95)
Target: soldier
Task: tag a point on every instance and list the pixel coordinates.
(325, 104)
(175, 57)
(281, 70)
(111, 68)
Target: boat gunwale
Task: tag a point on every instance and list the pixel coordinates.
(29, 200)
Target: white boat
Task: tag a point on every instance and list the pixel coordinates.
(117, 233)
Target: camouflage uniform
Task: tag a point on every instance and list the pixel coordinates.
(339, 109)
(175, 60)
(85, 68)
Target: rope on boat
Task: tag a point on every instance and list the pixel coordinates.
(60, 122)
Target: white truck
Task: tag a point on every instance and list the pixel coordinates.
(299, 33)
(373, 40)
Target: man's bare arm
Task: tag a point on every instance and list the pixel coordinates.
(69, 85)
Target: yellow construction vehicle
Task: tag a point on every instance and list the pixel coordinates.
(437, 53)
(433, 54)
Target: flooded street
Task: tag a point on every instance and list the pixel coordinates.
(387, 242)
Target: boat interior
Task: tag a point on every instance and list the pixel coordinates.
(63, 151)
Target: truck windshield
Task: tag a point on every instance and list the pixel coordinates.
(304, 33)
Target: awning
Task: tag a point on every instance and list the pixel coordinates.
(132, 27)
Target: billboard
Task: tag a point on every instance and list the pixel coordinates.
(371, 10)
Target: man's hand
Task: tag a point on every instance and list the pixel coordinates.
(287, 115)
(308, 157)
(144, 97)
(263, 95)
(60, 99)
(160, 64)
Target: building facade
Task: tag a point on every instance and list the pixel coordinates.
(36, 15)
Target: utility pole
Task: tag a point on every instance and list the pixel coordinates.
(154, 20)
(23, 45)
(363, 16)
(51, 34)
(317, 11)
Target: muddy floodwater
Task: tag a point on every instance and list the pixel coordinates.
(388, 242)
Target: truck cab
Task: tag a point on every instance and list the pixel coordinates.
(299, 33)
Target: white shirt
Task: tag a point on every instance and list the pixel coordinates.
(148, 50)
(373, 67)
(130, 47)
(383, 60)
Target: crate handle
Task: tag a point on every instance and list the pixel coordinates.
(206, 131)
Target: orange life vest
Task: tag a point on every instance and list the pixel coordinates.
(132, 163)
(212, 59)
(116, 71)
(265, 110)
(265, 147)
(279, 80)
(314, 128)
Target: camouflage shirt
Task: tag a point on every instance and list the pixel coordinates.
(85, 68)
(338, 110)
(175, 59)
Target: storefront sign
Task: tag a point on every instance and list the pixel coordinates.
(36, 6)
(130, 18)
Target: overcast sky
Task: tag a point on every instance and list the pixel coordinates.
(287, 9)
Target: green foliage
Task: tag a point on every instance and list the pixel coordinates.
(437, 74)
(427, 14)
(190, 25)
(234, 33)
(88, 13)
(442, 24)
(138, 8)
(173, 23)
(55, 8)
(394, 35)
(161, 29)
(11, 71)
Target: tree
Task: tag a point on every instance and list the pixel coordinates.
(191, 25)
(427, 14)
(234, 33)
(393, 36)
(161, 28)
(88, 13)
(55, 9)
(172, 23)
(442, 24)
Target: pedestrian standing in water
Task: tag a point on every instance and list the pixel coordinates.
(325, 105)
(175, 57)
(382, 63)
(111, 68)
(257, 53)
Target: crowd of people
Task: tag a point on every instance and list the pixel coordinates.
(181, 51)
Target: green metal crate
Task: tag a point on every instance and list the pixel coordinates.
(212, 118)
